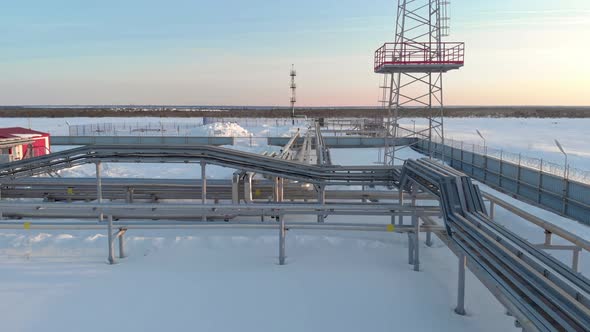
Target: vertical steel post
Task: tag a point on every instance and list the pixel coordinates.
(460, 309)
(416, 223)
(401, 202)
(282, 233)
(235, 187)
(410, 248)
(111, 257)
(275, 189)
(281, 189)
(492, 210)
(576, 260)
(122, 242)
(428, 238)
(99, 187)
(321, 200)
(248, 187)
(547, 238)
(518, 174)
(204, 187)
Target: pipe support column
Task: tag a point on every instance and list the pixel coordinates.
(460, 309)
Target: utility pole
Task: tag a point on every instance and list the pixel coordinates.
(293, 94)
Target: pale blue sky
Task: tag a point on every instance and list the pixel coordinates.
(235, 52)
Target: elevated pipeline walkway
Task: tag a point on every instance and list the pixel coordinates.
(333, 142)
(539, 290)
(244, 161)
(130, 189)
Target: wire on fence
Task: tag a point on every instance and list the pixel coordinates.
(538, 164)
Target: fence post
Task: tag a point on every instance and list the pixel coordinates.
(540, 184)
(462, 157)
(501, 167)
(518, 175)
(566, 184)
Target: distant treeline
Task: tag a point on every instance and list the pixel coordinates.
(269, 112)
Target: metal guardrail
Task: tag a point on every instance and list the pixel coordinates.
(415, 53)
(543, 187)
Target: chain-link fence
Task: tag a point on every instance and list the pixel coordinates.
(538, 164)
(136, 129)
(193, 127)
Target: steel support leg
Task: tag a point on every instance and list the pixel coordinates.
(492, 210)
(111, 257)
(321, 200)
(122, 243)
(99, 187)
(248, 187)
(1, 215)
(235, 186)
(282, 233)
(204, 186)
(410, 248)
(416, 223)
(275, 189)
(547, 238)
(129, 197)
(429, 239)
(576, 260)
(401, 202)
(460, 309)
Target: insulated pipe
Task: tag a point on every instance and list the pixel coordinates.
(213, 225)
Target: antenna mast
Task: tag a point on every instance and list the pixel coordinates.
(293, 88)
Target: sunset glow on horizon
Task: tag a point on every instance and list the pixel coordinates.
(229, 52)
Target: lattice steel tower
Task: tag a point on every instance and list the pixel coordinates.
(413, 67)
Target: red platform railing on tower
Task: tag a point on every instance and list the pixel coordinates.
(392, 54)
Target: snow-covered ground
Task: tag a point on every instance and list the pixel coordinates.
(212, 280)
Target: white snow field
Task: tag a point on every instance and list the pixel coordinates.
(230, 280)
